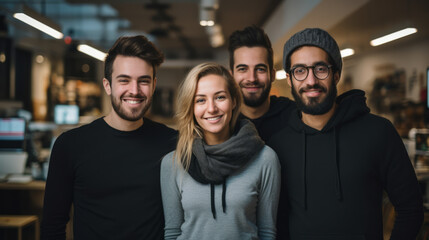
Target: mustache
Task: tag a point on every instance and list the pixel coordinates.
(251, 85)
(135, 96)
(313, 87)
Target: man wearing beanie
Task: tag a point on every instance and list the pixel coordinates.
(251, 64)
(337, 158)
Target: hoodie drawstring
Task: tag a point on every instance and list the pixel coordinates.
(338, 191)
(304, 169)
(212, 193)
(212, 198)
(223, 197)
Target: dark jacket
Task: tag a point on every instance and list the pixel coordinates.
(275, 119)
(333, 179)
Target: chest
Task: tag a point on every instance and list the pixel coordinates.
(241, 195)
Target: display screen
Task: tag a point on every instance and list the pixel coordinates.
(66, 114)
(12, 134)
(427, 87)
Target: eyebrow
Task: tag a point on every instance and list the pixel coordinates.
(218, 92)
(261, 65)
(127, 76)
(241, 65)
(257, 65)
(314, 64)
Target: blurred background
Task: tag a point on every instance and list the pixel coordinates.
(49, 83)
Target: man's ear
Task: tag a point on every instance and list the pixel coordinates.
(289, 79)
(107, 87)
(336, 78)
(154, 85)
(273, 75)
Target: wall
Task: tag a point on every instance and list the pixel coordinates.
(364, 69)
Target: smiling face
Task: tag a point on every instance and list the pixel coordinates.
(252, 73)
(313, 96)
(131, 88)
(213, 107)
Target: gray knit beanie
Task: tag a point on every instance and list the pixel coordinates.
(313, 37)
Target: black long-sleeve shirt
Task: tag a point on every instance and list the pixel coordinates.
(112, 179)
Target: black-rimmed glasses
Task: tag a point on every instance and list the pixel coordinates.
(320, 71)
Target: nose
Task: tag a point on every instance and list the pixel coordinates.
(134, 88)
(311, 79)
(212, 108)
(252, 76)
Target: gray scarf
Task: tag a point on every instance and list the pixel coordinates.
(217, 162)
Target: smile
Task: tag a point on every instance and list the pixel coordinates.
(213, 118)
(133, 101)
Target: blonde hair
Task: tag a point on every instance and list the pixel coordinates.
(187, 125)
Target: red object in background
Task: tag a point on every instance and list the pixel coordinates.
(68, 40)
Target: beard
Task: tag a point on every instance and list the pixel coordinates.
(254, 100)
(134, 114)
(313, 107)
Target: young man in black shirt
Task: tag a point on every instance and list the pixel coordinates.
(109, 169)
(251, 64)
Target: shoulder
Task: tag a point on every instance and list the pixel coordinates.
(81, 132)
(159, 130)
(281, 101)
(375, 123)
(159, 127)
(167, 162)
(267, 157)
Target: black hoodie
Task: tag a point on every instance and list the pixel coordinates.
(333, 179)
(275, 119)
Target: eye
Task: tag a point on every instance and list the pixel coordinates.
(241, 69)
(144, 81)
(321, 68)
(123, 80)
(221, 97)
(300, 70)
(199, 100)
(261, 70)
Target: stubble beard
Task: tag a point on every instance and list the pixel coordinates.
(135, 114)
(313, 107)
(253, 100)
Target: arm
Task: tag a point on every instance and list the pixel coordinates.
(171, 198)
(268, 195)
(58, 192)
(401, 185)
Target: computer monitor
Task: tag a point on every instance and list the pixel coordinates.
(12, 134)
(427, 88)
(66, 114)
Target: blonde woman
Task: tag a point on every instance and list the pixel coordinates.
(222, 182)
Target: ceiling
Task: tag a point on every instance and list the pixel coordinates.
(174, 24)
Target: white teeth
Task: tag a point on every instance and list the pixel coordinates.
(132, 102)
(213, 118)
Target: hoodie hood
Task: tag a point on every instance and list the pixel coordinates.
(350, 106)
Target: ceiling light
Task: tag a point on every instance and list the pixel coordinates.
(216, 36)
(347, 52)
(95, 53)
(280, 74)
(393, 36)
(207, 17)
(38, 21)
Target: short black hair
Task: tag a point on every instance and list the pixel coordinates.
(135, 46)
(251, 36)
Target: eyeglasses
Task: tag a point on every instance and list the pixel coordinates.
(320, 71)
